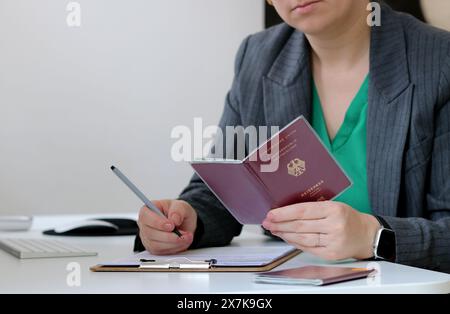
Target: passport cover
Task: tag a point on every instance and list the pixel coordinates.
(313, 275)
(306, 172)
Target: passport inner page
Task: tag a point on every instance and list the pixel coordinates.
(237, 189)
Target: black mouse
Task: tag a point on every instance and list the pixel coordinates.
(97, 227)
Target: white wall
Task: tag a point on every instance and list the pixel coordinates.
(437, 12)
(73, 101)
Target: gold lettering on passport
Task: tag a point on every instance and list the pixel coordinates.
(313, 191)
(285, 146)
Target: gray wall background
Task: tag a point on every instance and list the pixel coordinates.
(73, 101)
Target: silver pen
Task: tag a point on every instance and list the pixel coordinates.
(141, 196)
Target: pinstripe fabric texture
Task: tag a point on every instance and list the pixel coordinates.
(408, 128)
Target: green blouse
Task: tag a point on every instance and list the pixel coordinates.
(349, 146)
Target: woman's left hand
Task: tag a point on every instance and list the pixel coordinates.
(330, 230)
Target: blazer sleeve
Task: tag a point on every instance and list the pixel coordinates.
(216, 226)
(426, 242)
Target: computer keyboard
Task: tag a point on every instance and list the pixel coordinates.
(40, 248)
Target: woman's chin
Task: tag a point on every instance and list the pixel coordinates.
(311, 27)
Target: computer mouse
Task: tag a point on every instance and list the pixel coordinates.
(86, 226)
(96, 227)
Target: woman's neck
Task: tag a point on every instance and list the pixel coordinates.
(343, 47)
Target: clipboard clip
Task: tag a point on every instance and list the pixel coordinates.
(176, 263)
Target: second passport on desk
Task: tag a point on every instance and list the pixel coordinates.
(304, 171)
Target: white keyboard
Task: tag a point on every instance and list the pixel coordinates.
(38, 248)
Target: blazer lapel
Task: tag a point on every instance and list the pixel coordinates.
(389, 111)
(287, 87)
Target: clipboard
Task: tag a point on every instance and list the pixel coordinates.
(188, 264)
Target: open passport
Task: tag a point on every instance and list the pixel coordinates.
(305, 172)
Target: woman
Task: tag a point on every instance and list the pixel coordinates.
(379, 97)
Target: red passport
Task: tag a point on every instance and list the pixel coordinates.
(313, 275)
(292, 167)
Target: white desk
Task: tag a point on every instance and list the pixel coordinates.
(49, 275)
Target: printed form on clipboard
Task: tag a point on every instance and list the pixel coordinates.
(218, 259)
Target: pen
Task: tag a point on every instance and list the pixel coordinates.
(141, 196)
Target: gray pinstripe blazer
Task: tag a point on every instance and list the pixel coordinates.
(408, 144)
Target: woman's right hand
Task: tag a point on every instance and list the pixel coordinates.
(156, 232)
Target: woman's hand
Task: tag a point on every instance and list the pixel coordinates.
(156, 232)
(330, 230)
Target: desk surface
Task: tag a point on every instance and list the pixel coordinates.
(50, 275)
